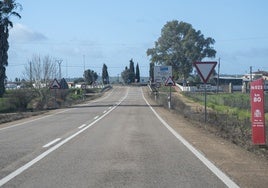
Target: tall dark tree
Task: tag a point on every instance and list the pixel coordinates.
(179, 46)
(7, 9)
(132, 71)
(151, 71)
(105, 75)
(137, 77)
(90, 76)
(125, 75)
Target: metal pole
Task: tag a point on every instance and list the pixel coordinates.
(84, 63)
(31, 74)
(218, 80)
(59, 62)
(169, 97)
(205, 102)
(250, 70)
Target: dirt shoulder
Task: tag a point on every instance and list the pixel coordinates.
(245, 168)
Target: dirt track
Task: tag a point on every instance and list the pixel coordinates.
(244, 167)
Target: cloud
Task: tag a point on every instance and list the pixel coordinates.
(21, 33)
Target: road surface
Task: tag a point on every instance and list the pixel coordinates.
(115, 141)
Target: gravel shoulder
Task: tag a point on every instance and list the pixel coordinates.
(245, 168)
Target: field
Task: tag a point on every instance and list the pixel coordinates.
(229, 103)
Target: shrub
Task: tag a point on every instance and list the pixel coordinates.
(18, 100)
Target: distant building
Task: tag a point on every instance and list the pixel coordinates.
(228, 80)
(256, 75)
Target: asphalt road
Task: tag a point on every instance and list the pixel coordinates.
(115, 141)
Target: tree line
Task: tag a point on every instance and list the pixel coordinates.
(178, 46)
(129, 75)
(41, 70)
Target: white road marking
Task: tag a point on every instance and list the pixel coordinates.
(82, 126)
(221, 175)
(51, 143)
(96, 117)
(104, 111)
(43, 117)
(50, 150)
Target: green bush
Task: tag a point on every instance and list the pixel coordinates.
(17, 100)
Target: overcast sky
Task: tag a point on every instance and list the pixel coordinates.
(114, 31)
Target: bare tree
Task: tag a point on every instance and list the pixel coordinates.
(49, 69)
(40, 71)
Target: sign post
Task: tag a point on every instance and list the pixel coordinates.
(169, 82)
(55, 85)
(162, 73)
(205, 69)
(257, 112)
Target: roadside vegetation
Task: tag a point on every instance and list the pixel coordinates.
(21, 103)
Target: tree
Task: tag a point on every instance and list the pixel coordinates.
(125, 75)
(105, 75)
(179, 46)
(40, 70)
(151, 71)
(137, 77)
(7, 8)
(90, 76)
(131, 71)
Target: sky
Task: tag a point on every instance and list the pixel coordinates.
(85, 34)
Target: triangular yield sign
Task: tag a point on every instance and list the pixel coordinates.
(55, 84)
(205, 69)
(169, 82)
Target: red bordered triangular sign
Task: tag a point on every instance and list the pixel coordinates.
(169, 82)
(205, 69)
(55, 84)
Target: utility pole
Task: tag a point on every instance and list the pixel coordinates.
(250, 72)
(84, 62)
(218, 80)
(31, 74)
(59, 62)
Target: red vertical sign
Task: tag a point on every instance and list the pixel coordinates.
(257, 112)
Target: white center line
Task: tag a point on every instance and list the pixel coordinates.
(51, 143)
(50, 150)
(82, 126)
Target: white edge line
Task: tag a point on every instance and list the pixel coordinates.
(221, 175)
(43, 117)
(50, 150)
(51, 143)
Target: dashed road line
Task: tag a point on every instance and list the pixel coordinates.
(51, 143)
(82, 126)
(50, 150)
